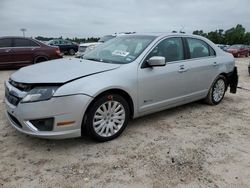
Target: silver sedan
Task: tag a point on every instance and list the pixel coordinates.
(125, 78)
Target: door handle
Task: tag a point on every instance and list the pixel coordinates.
(182, 69)
(215, 64)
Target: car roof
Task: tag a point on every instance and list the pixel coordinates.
(163, 34)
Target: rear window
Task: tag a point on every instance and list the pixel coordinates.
(5, 43)
(24, 43)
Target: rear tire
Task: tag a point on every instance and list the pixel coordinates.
(40, 59)
(72, 52)
(217, 91)
(107, 117)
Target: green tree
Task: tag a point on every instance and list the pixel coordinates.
(200, 32)
(235, 35)
(247, 38)
(216, 36)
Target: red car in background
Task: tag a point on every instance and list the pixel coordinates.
(16, 52)
(238, 50)
(248, 47)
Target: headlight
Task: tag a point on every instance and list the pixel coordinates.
(39, 94)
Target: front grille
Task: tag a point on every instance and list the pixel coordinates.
(12, 99)
(15, 120)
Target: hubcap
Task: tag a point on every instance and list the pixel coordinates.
(109, 118)
(219, 89)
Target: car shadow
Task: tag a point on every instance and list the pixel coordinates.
(87, 141)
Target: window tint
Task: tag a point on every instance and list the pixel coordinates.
(197, 48)
(5, 43)
(60, 42)
(32, 43)
(171, 49)
(24, 43)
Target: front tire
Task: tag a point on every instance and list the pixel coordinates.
(217, 91)
(107, 117)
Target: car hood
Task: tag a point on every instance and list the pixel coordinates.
(60, 71)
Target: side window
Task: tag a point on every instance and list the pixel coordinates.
(68, 42)
(24, 43)
(211, 51)
(171, 49)
(32, 43)
(5, 43)
(197, 48)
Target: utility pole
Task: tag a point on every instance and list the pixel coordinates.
(23, 30)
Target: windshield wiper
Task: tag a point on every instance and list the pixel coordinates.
(100, 60)
(94, 59)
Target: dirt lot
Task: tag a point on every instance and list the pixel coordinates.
(195, 145)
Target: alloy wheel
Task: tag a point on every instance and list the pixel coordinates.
(219, 90)
(109, 118)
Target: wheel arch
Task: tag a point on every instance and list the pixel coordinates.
(227, 78)
(222, 74)
(120, 92)
(40, 56)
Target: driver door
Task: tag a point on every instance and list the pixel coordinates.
(159, 87)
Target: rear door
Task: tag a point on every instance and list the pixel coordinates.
(63, 46)
(6, 52)
(23, 50)
(202, 67)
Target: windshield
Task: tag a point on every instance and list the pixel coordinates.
(236, 46)
(106, 38)
(120, 50)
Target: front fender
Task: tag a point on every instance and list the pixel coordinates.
(123, 79)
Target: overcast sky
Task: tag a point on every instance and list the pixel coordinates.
(85, 18)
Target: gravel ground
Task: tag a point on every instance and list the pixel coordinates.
(194, 145)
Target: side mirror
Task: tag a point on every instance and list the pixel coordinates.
(156, 61)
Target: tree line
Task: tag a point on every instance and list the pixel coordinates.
(75, 39)
(235, 35)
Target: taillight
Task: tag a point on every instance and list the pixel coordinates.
(58, 51)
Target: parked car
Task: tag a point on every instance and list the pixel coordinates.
(16, 52)
(238, 50)
(248, 48)
(86, 47)
(65, 46)
(127, 77)
(223, 46)
(108, 37)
